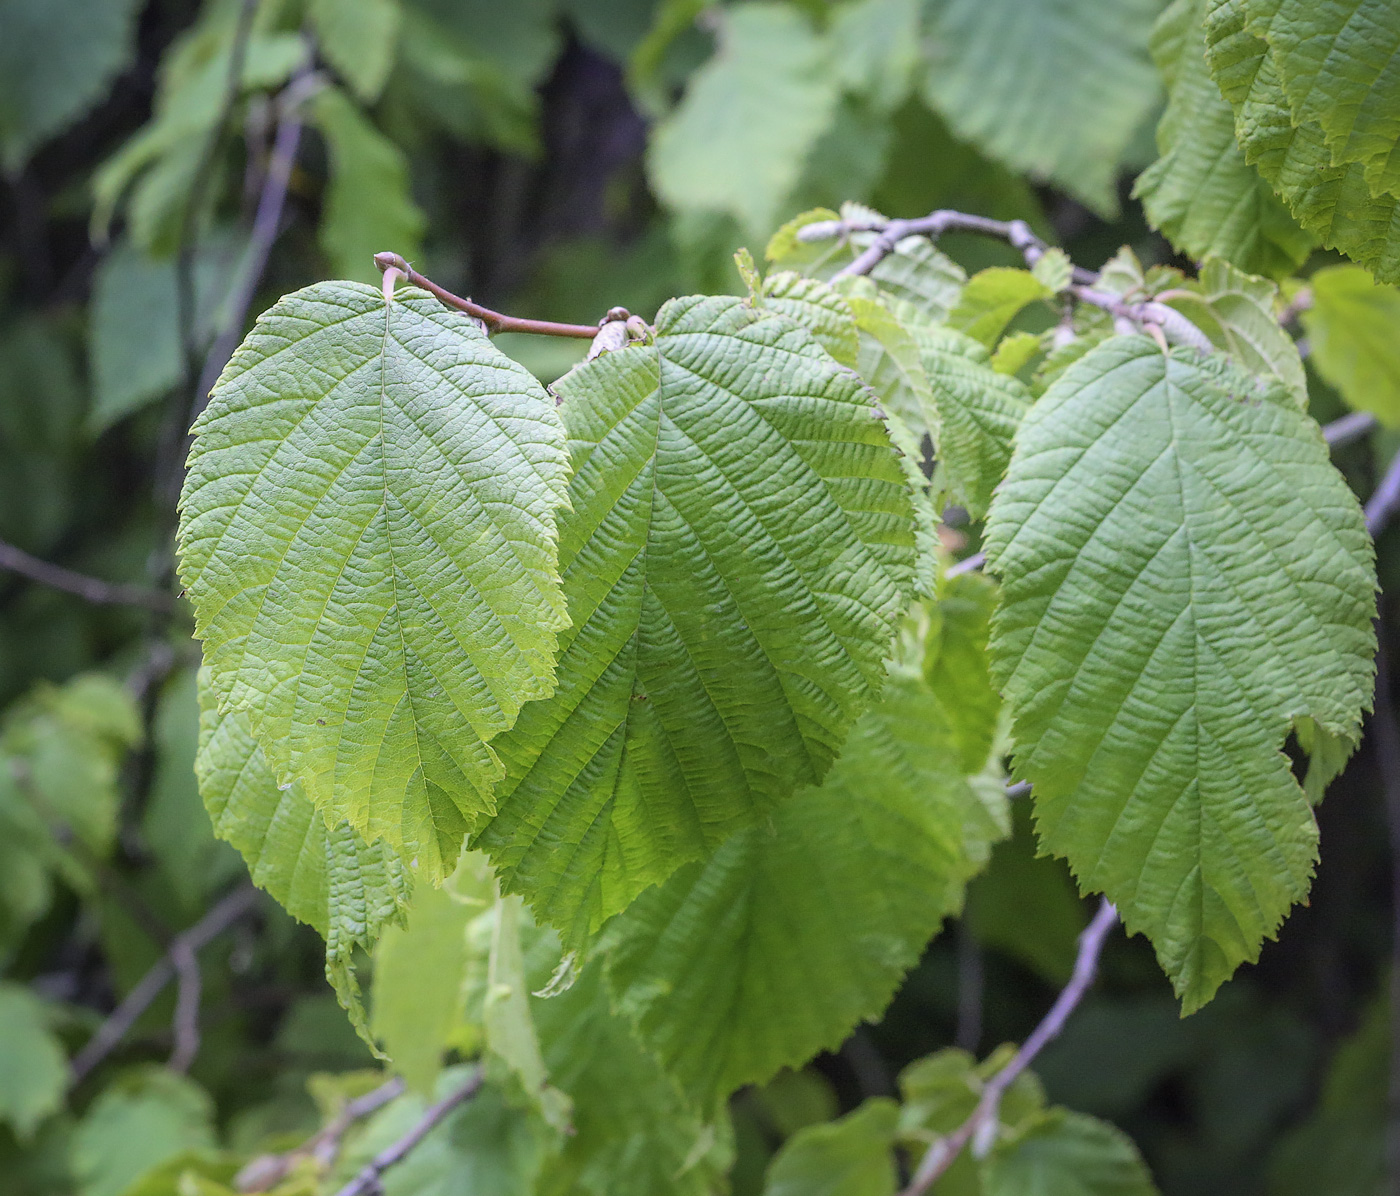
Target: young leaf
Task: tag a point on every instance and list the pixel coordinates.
(1354, 328)
(368, 204)
(1054, 90)
(1201, 193)
(992, 299)
(739, 548)
(1184, 577)
(1068, 1154)
(402, 604)
(33, 1067)
(850, 1157)
(738, 140)
(715, 967)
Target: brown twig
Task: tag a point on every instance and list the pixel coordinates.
(941, 1154)
(188, 942)
(366, 1183)
(103, 593)
(268, 1170)
(494, 320)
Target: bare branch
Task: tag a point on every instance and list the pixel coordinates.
(1384, 500)
(102, 593)
(223, 915)
(494, 320)
(366, 1183)
(967, 565)
(941, 1154)
(189, 986)
(1352, 426)
(268, 1170)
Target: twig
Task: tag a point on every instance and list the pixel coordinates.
(967, 565)
(89, 588)
(269, 1170)
(267, 224)
(941, 1154)
(1352, 426)
(1384, 500)
(494, 320)
(223, 915)
(189, 985)
(366, 1183)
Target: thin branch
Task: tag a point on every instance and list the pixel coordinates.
(189, 986)
(1384, 500)
(941, 1154)
(1352, 426)
(967, 565)
(366, 1183)
(269, 1170)
(103, 593)
(223, 915)
(267, 224)
(494, 320)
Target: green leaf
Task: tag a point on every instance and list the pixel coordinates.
(417, 998)
(715, 967)
(133, 325)
(1015, 352)
(358, 38)
(875, 49)
(738, 549)
(1053, 270)
(1201, 194)
(738, 140)
(33, 1066)
(404, 603)
(57, 60)
(1333, 201)
(1184, 577)
(137, 1122)
(941, 1090)
(890, 362)
(1354, 329)
(992, 299)
(957, 669)
(976, 412)
(1336, 65)
(1068, 1154)
(1054, 90)
(368, 205)
(1237, 312)
(634, 1135)
(819, 308)
(853, 1156)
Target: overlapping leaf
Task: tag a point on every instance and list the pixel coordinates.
(1352, 326)
(1185, 578)
(368, 538)
(1201, 193)
(716, 966)
(739, 547)
(1052, 89)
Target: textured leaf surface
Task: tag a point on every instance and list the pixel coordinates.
(1201, 193)
(33, 1067)
(368, 538)
(739, 547)
(368, 205)
(1354, 329)
(1237, 312)
(716, 966)
(1185, 576)
(739, 139)
(1333, 201)
(850, 1157)
(817, 307)
(1052, 89)
(57, 59)
(1069, 1154)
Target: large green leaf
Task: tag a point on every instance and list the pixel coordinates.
(1052, 89)
(716, 966)
(33, 1067)
(57, 59)
(330, 879)
(358, 38)
(1201, 193)
(1185, 577)
(368, 538)
(1331, 200)
(850, 1157)
(368, 205)
(1354, 328)
(739, 139)
(739, 548)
